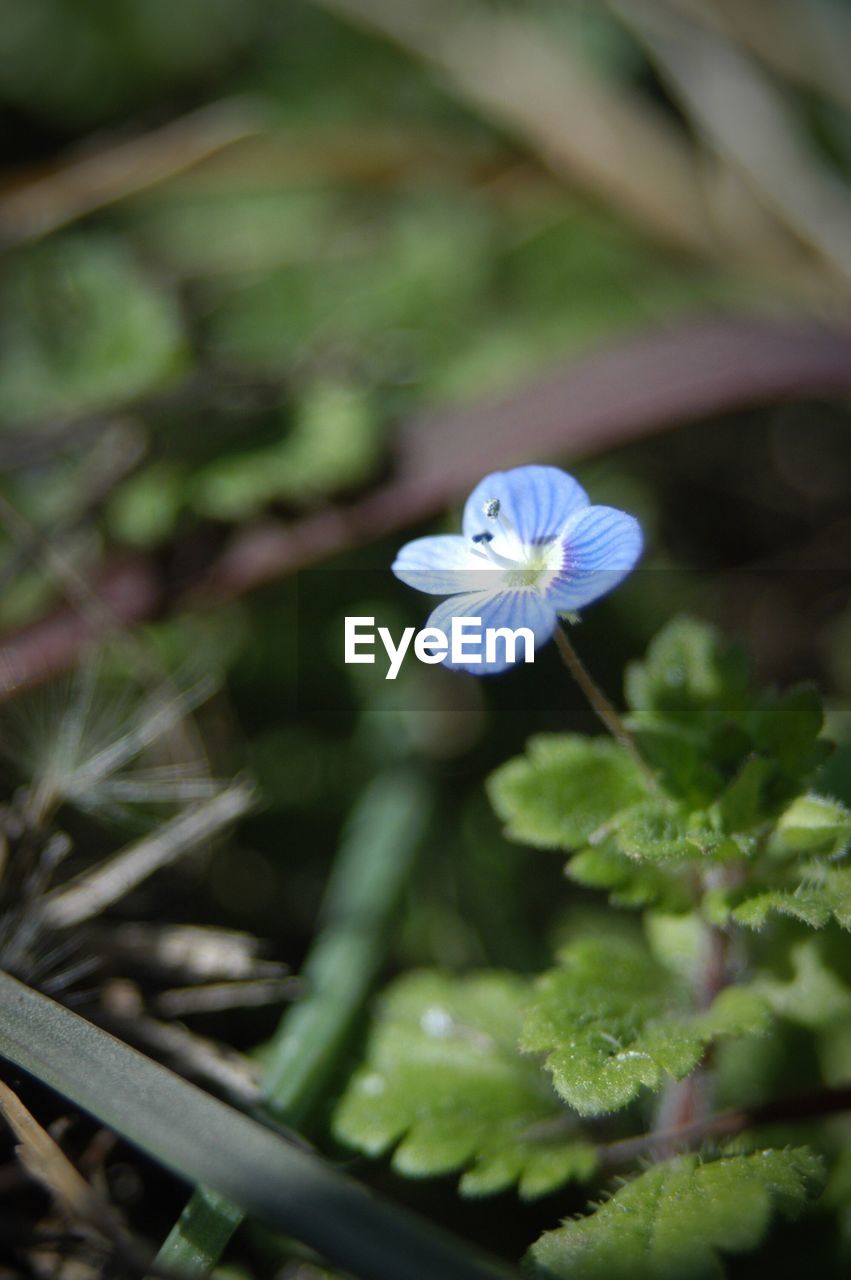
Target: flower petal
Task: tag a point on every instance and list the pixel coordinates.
(537, 501)
(601, 546)
(504, 609)
(443, 565)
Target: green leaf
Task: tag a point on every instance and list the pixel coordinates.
(823, 895)
(668, 1223)
(334, 443)
(630, 884)
(689, 670)
(814, 996)
(744, 802)
(612, 1021)
(812, 824)
(201, 1139)
(144, 510)
(787, 726)
(679, 941)
(443, 1078)
(677, 753)
(83, 329)
(659, 832)
(564, 788)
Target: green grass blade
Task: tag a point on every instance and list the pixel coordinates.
(372, 866)
(207, 1142)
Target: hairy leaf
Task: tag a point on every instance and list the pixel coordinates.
(669, 1222)
(660, 832)
(824, 894)
(812, 824)
(630, 883)
(444, 1079)
(612, 1021)
(564, 788)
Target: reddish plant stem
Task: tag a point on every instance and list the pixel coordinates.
(686, 1103)
(789, 1109)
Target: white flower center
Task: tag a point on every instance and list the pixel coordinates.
(523, 566)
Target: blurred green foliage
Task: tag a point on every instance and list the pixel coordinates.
(83, 328)
(239, 339)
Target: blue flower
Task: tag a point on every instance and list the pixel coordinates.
(532, 547)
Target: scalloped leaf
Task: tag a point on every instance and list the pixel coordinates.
(689, 670)
(629, 883)
(444, 1080)
(812, 824)
(669, 1222)
(823, 895)
(564, 788)
(659, 832)
(613, 1021)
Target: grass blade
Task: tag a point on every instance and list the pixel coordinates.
(205, 1141)
(375, 857)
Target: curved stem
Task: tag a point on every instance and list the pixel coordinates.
(600, 705)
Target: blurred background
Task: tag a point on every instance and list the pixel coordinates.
(281, 281)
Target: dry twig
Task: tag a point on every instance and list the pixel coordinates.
(87, 182)
(94, 891)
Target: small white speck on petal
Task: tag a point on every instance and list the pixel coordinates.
(436, 1022)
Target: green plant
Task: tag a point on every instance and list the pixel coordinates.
(728, 893)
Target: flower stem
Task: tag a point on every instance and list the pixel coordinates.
(600, 704)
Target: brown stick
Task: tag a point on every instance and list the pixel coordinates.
(86, 183)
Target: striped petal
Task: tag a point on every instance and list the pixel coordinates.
(510, 609)
(601, 546)
(443, 566)
(536, 502)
